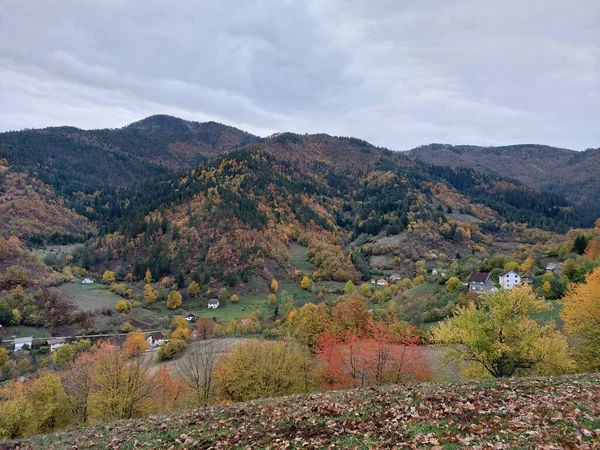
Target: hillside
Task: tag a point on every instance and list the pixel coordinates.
(518, 413)
(573, 174)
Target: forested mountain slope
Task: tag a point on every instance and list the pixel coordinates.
(573, 174)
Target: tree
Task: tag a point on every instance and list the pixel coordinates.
(349, 288)
(165, 281)
(373, 358)
(351, 314)
(500, 338)
(3, 356)
(78, 383)
(194, 289)
(171, 348)
(579, 244)
(148, 276)
(593, 249)
(174, 300)
(235, 298)
(48, 400)
(150, 294)
(123, 387)
(205, 327)
(123, 306)
(223, 294)
(135, 344)
(307, 284)
(274, 286)
(197, 369)
(258, 369)
(15, 276)
(453, 283)
(365, 290)
(271, 298)
(310, 323)
(108, 276)
(581, 316)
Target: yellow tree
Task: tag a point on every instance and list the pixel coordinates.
(274, 285)
(310, 323)
(453, 283)
(499, 338)
(272, 299)
(593, 249)
(150, 294)
(173, 300)
(47, 398)
(123, 306)
(148, 276)
(581, 316)
(3, 356)
(108, 276)
(235, 298)
(194, 289)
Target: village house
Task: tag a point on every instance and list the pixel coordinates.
(554, 267)
(527, 278)
(382, 282)
(395, 277)
(213, 303)
(509, 279)
(22, 342)
(190, 317)
(156, 339)
(87, 281)
(56, 343)
(481, 283)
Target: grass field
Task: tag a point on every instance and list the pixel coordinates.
(299, 257)
(58, 250)
(89, 297)
(552, 315)
(24, 331)
(519, 413)
(422, 290)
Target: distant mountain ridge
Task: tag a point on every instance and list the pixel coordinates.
(568, 172)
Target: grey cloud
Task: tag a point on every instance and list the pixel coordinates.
(398, 74)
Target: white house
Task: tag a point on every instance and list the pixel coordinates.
(21, 342)
(56, 343)
(155, 339)
(554, 267)
(509, 279)
(213, 303)
(395, 277)
(382, 282)
(87, 281)
(190, 317)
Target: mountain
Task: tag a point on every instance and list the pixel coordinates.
(570, 173)
(206, 201)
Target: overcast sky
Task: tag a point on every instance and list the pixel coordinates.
(396, 73)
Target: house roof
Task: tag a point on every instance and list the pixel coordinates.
(506, 272)
(191, 315)
(552, 266)
(156, 336)
(24, 340)
(480, 277)
(213, 301)
(56, 341)
(395, 276)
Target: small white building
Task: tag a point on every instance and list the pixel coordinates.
(213, 303)
(554, 267)
(509, 279)
(395, 277)
(21, 342)
(56, 343)
(156, 339)
(87, 281)
(382, 282)
(190, 317)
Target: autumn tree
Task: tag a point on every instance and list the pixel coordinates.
(174, 300)
(258, 369)
(108, 276)
(3, 356)
(499, 337)
(271, 298)
(169, 392)
(581, 316)
(148, 276)
(78, 383)
(197, 369)
(351, 314)
(194, 289)
(349, 288)
(593, 249)
(310, 323)
(150, 294)
(274, 286)
(123, 387)
(123, 306)
(15, 276)
(307, 284)
(135, 344)
(453, 283)
(50, 403)
(205, 327)
(235, 298)
(375, 357)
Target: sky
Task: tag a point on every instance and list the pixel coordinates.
(396, 73)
